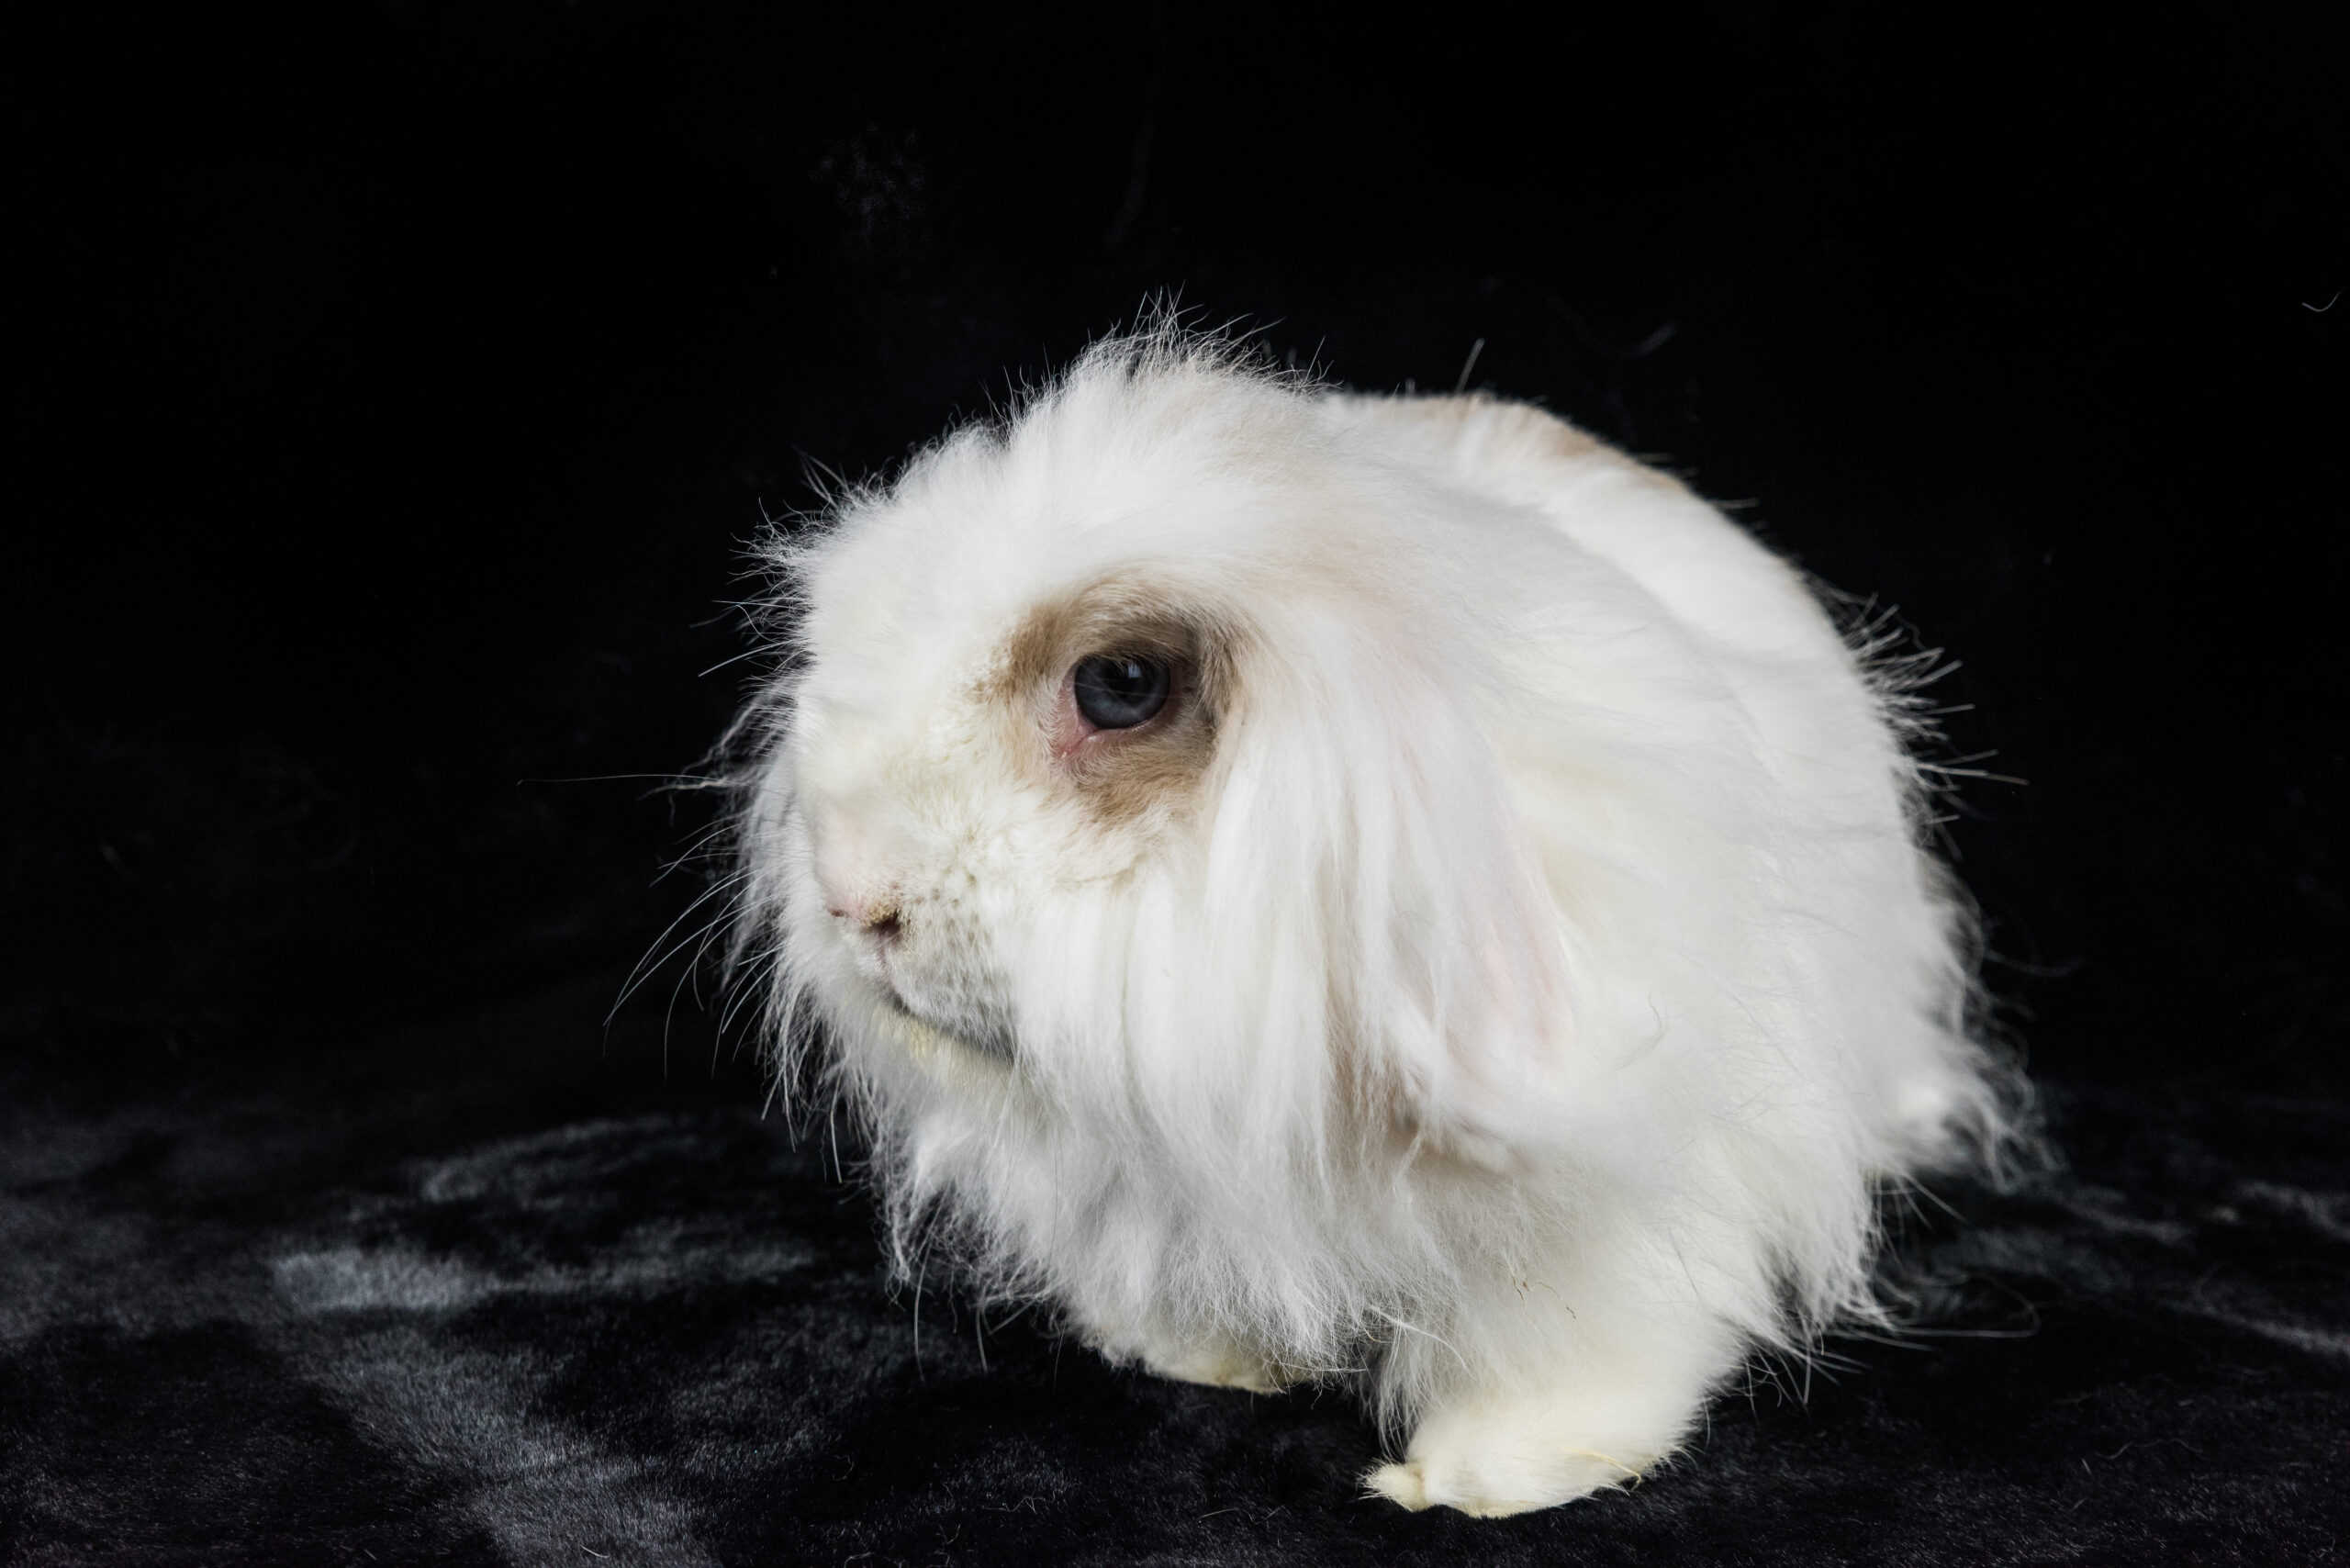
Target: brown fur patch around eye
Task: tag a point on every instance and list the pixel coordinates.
(1120, 774)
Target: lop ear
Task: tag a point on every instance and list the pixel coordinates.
(1470, 1022)
(1451, 995)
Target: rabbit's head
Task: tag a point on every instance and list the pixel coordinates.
(1137, 757)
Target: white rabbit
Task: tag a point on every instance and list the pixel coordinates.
(1332, 887)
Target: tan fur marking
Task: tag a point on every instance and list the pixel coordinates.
(1121, 775)
(1457, 426)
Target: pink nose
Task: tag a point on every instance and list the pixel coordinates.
(855, 883)
(878, 916)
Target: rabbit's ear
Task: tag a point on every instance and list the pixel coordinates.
(1389, 851)
(1470, 1021)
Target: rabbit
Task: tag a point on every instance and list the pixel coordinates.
(1385, 891)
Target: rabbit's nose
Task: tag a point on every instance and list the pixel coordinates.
(878, 917)
(859, 888)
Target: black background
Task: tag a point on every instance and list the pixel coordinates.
(396, 389)
(403, 383)
(403, 386)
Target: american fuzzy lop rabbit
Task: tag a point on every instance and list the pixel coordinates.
(1372, 888)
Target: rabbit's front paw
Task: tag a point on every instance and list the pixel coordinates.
(1494, 1462)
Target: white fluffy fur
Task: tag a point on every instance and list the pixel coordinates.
(1519, 1020)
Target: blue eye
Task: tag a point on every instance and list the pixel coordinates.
(1115, 691)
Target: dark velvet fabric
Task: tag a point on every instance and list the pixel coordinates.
(468, 1295)
(393, 390)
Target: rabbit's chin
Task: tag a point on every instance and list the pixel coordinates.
(953, 1060)
(991, 1042)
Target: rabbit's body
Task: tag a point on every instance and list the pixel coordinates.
(1498, 975)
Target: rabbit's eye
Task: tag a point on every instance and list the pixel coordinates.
(1115, 691)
